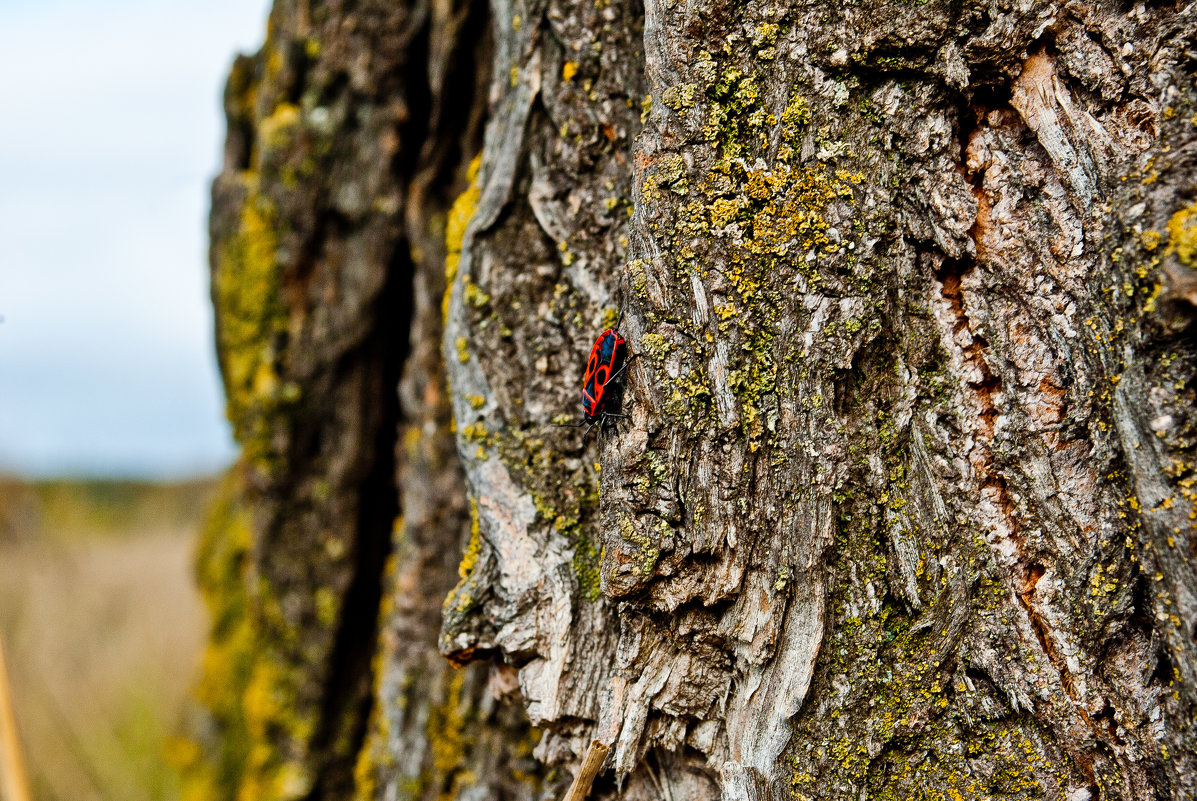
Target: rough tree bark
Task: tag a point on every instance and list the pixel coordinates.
(903, 506)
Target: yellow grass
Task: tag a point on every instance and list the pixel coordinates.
(14, 779)
(102, 626)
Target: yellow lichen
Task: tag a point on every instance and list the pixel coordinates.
(1182, 235)
(455, 228)
(275, 131)
(679, 97)
(328, 605)
(250, 317)
(246, 688)
(474, 295)
(469, 559)
(460, 597)
(449, 739)
(475, 432)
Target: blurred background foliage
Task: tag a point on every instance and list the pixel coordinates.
(112, 133)
(103, 628)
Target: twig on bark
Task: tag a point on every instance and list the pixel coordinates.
(591, 765)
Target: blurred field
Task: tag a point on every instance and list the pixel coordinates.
(102, 628)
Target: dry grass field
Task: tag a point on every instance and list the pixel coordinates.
(102, 628)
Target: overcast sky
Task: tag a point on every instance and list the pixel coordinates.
(110, 132)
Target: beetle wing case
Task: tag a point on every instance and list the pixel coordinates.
(606, 358)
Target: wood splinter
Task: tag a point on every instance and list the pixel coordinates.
(591, 765)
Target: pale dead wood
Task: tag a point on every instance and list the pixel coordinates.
(742, 783)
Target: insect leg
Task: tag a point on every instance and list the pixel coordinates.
(615, 375)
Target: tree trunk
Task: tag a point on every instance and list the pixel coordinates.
(903, 503)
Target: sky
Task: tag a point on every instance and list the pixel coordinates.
(111, 131)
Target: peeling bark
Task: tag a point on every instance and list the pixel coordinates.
(902, 505)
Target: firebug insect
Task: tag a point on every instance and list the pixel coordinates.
(608, 360)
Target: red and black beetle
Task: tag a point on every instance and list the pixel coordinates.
(608, 359)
